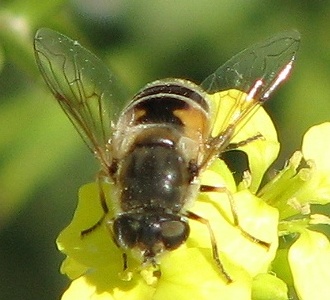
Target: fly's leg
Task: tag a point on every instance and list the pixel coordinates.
(105, 211)
(208, 188)
(125, 275)
(215, 252)
(251, 139)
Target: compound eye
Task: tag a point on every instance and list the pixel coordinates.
(174, 233)
(125, 230)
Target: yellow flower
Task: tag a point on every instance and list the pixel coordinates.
(95, 264)
(282, 207)
(304, 258)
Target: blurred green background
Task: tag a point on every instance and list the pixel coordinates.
(43, 161)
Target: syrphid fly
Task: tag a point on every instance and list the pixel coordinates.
(153, 148)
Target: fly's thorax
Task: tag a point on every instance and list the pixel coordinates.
(173, 103)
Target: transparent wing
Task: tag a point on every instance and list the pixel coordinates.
(245, 82)
(83, 86)
(262, 61)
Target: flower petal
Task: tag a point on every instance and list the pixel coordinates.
(201, 279)
(269, 287)
(309, 259)
(261, 152)
(316, 146)
(229, 105)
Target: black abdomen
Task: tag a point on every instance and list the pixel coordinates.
(155, 179)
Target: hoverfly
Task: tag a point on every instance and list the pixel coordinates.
(154, 149)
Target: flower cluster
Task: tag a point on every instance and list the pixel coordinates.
(280, 213)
